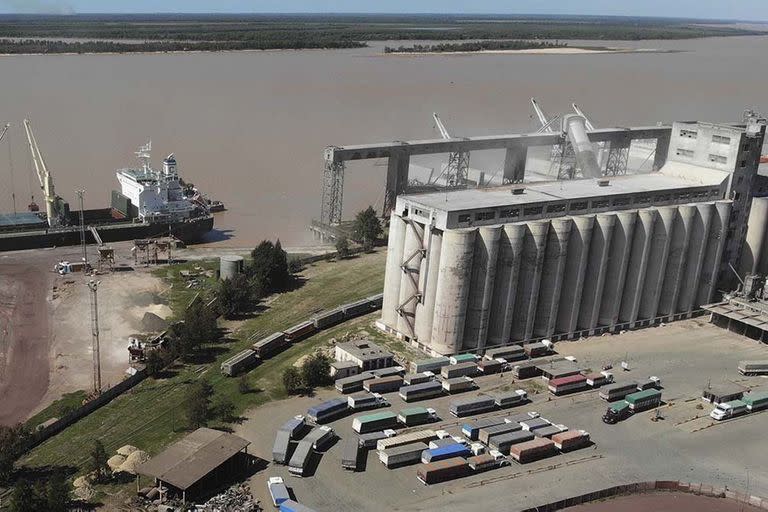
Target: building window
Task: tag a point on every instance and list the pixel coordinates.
(600, 204)
(689, 134)
(555, 208)
(534, 210)
(485, 216)
(581, 205)
(721, 139)
(464, 217)
(718, 159)
(509, 213)
(687, 153)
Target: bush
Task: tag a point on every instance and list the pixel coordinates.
(98, 462)
(236, 296)
(316, 370)
(198, 403)
(367, 228)
(12, 441)
(292, 381)
(243, 386)
(342, 247)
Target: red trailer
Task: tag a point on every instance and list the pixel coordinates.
(571, 440)
(532, 450)
(443, 470)
(567, 384)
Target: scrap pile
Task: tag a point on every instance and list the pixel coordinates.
(235, 499)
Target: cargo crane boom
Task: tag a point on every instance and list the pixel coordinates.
(45, 178)
(546, 125)
(457, 171)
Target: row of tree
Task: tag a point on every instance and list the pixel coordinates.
(475, 46)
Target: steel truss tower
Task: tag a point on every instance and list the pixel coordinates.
(333, 190)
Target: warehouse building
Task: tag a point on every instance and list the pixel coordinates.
(365, 354)
(476, 268)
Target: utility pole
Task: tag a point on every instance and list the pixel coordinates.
(94, 285)
(80, 194)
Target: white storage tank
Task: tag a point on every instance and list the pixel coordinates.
(230, 266)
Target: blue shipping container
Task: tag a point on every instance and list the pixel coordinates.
(445, 452)
(292, 506)
(327, 409)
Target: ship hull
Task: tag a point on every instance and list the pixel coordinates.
(188, 232)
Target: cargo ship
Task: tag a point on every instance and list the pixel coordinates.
(151, 202)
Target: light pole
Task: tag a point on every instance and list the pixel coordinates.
(94, 285)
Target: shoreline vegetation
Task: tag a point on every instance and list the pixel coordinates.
(476, 46)
(158, 33)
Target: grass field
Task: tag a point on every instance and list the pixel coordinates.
(152, 414)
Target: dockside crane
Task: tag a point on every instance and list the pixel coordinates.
(45, 178)
(457, 171)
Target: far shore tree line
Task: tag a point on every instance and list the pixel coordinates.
(475, 46)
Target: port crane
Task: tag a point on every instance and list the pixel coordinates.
(52, 210)
(457, 171)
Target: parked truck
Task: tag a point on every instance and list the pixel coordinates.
(353, 383)
(449, 451)
(753, 367)
(510, 353)
(383, 384)
(413, 416)
(421, 391)
(293, 506)
(360, 401)
(290, 430)
(756, 401)
(571, 440)
(441, 471)
(506, 399)
(465, 369)
(569, 384)
(277, 490)
(597, 379)
(643, 400)
(370, 439)
(350, 453)
(432, 364)
(725, 410)
(328, 410)
(487, 461)
(472, 429)
(421, 436)
(617, 391)
(504, 442)
(471, 405)
(490, 366)
(376, 421)
(458, 384)
(417, 378)
(487, 433)
(532, 450)
(402, 455)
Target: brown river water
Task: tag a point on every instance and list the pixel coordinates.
(249, 128)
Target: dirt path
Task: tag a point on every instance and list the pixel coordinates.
(24, 340)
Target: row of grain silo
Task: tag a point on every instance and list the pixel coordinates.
(466, 289)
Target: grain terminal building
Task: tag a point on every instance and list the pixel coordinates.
(475, 268)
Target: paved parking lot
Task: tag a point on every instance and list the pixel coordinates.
(685, 445)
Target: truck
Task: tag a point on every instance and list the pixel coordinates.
(617, 391)
(458, 384)
(328, 410)
(433, 364)
(616, 412)
(413, 416)
(490, 366)
(471, 430)
(487, 461)
(462, 358)
(445, 452)
(571, 440)
(756, 401)
(350, 453)
(277, 490)
(725, 410)
(471, 405)
(536, 349)
(506, 399)
(558, 369)
(445, 441)
(487, 433)
(421, 391)
(570, 384)
(388, 371)
(534, 424)
(550, 431)
(510, 353)
(315, 440)
(293, 506)
(370, 439)
(442, 471)
(417, 378)
(526, 370)
(290, 430)
(383, 384)
(353, 383)
(402, 455)
(360, 401)
(504, 442)
(532, 450)
(421, 436)
(372, 422)
(753, 367)
(643, 400)
(271, 345)
(465, 369)
(650, 382)
(597, 379)
(243, 361)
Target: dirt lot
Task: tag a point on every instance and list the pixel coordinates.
(665, 502)
(685, 446)
(45, 342)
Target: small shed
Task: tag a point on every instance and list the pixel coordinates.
(721, 393)
(197, 464)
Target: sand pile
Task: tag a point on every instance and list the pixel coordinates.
(115, 461)
(134, 460)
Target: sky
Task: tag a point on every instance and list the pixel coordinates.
(752, 10)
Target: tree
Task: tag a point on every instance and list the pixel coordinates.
(235, 296)
(98, 462)
(224, 409)
(243, 385)
(316, 370)
(367, 228)
(23, 498)
(198, 403)
(12, 440)
(156, 361)
(269, 268)
(57, 496)
(342, 247)
(198, 327)
(292, 381)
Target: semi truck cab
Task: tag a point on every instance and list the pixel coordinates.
(617, 412)
(725, 410)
